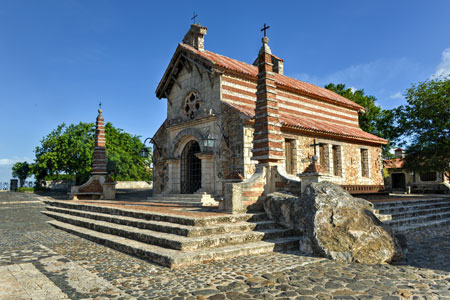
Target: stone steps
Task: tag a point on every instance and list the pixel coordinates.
(418, 213)
(157, 216)
(418, 219)
(173, 258)
(408, 208)
(167, 227)
(407, 203)
(201, 199)
(407, 215)
(419, 226)
(170, 239)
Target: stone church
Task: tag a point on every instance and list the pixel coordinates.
(238, 131)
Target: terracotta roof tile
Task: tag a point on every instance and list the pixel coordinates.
(311, 125)
(395, 163)
(226, 63)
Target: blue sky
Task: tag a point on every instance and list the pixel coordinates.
(59, 58)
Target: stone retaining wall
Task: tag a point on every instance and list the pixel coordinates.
(134, 185)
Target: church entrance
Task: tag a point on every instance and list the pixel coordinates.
(191, 168)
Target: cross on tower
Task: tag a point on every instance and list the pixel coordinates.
(100, 105)
(265, 28)
(314, 145)
(193, 18)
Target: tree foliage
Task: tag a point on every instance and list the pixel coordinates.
(68, 150)
(375, 120)
(424, 123)
(21, 170)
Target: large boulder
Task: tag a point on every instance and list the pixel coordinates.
(334, 224)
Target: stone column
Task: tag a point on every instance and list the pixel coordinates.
(99, 155)
(173, 186)
(267, 141)
(208, 174)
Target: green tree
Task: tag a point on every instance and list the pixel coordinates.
(122, 152)
(21, 170)
(68, 150)
(424, 123)
(375, 120)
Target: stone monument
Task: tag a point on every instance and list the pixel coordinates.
(99, 185)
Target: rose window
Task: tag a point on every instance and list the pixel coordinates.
(191, 104)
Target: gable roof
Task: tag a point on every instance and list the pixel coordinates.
(233, 66)
(215, 62)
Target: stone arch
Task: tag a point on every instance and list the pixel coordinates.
(182, 138)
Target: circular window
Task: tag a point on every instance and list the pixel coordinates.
(191, 104)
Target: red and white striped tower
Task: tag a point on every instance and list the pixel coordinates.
(267, 140)
(99, 156)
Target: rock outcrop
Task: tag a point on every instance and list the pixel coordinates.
(334, 224)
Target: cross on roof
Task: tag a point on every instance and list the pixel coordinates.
(314, 145)
(100, 105)
(265, 28)
(193, 18)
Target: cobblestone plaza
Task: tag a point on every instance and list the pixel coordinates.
(40, 262)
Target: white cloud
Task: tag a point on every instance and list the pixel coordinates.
(353, 89)
(10, 161)
(443, 69)
(6, 165)
(6, 161)
(397, 95)
(381, 78)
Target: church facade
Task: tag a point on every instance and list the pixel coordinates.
(212, 139)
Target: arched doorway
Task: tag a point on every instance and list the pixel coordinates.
(191, 168)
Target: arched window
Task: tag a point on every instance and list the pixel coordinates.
(191, 104)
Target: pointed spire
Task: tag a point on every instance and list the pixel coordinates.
(267, 140)
(99, 155)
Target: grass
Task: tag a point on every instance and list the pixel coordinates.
(26, 189)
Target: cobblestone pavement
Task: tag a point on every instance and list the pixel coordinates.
(40, 262)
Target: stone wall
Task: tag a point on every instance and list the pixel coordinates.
(181, 128)
(416, 185)
(248, 195)
(249, 164)
(198, 80)
(232, 158)
(350, 160)
(160, 162)
(134, 185)
(59, 185)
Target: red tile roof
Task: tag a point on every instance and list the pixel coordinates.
(395, 163)
(239, 68)
(311, 125)
(235, 66)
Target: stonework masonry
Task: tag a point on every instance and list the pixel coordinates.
(254, 114)
(98, 186)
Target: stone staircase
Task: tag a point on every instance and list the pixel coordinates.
(410, 215)
(198, 199)
(171, 240)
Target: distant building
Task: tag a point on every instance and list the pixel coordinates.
(400, 180)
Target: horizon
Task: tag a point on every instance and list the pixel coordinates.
(59, 59)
